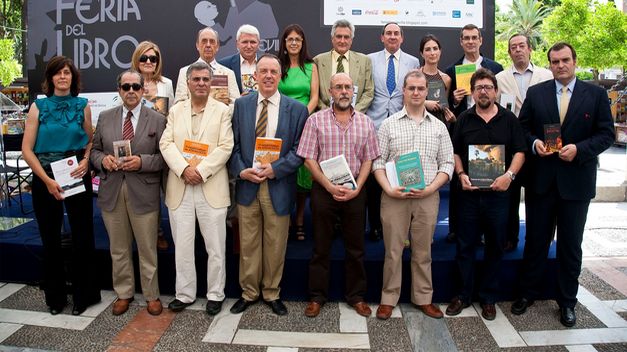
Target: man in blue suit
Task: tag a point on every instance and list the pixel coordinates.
(389, 67)
(243, 63)
(561, 183)
(265, 192)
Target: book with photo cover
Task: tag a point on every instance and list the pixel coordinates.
(121, 149)
(437, 92)
(337, 171)
(486, 162)
(194, 152)
(553, 137)
(267, 150)
(406, 172)
(158, 104)
(220, 87)
(61, 170)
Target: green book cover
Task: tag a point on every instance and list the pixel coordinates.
(463, 73)
(409, 171)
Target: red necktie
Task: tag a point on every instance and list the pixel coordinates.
(127, 130)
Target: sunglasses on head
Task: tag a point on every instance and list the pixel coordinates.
(127, 86)
(153, 58)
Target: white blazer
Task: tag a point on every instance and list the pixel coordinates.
(507, 83)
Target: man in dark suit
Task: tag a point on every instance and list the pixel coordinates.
(129, 194)
(243, 62)
(265, 192)
(561, 183)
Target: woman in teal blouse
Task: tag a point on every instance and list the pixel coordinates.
(59, 126)
(299, 81)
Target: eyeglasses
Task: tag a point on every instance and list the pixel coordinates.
(293, 40)
(127, 86)
(468, 38)
(340, 87)
(153, 58)
(486, 87)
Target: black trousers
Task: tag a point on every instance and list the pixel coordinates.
(545, 211)
(49, 215)
(373, 193)
(513, 222)
(352, 215)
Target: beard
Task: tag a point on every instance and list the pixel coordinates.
(484, 103)
(342, 104)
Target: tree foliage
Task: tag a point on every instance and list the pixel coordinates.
(525, 17)
(10, 69)
(11, 23)
(566, 22)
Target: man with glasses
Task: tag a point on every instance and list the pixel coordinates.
(243, 63)
(130, 190)
(342, 59)
(196, 145)
(496, 138)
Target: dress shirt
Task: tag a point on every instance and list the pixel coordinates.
(396, 55)
(273, 112)
(469, 100)
(324, 138)
(196, 119)
(334, 56)
(558, 93)
(399, 134)
(245, 67)
(136, 111)
(523, 79)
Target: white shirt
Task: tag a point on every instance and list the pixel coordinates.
(469, 100)
(273, 112)
(135, 117)
(396, 57)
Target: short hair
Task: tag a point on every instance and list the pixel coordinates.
(483, 73)
(208, 29)
(519, 35)
(559, 46)
(140, 50)
(338, 74)
(389, 23)
(131, 71)
(198, 66)
(469, 27)
(428, 38)
(342, 24)
(269, 56)
(303, 55)
(413, 73)
(56, 64)
(247, 29)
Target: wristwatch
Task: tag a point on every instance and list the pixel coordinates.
(511, 175)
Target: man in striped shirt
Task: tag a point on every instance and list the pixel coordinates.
(338, 130)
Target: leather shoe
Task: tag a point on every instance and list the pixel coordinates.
(456, 306)
(120, 306)
(451, 237)
(277, 307)
(241, 305)
(177, 305)
(154, 307)
(313, 309)
(162, 243)
(362, 309)
(213, 307)
(384, 312)
(520, 306)
(567, 316)
(488, 311)
(431, 310)
(80, 308)
(55, 310)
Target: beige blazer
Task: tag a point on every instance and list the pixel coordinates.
(507, 83)
(215, 129)
(360, 73)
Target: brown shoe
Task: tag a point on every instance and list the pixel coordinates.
(431, 310)
(384, 312)
(456, 306)
(313, 309)
(154, 307)
(162, 243)
(362, 309)
(488, 311)
(120, 306)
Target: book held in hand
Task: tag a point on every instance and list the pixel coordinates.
(337, 171)
(437, 92)
(194, 152)
(267, 150)
(158, 104)
(61, 170)
(553, 137)
(220, 88)
(486, 162)
(463, 73)
(406, 172)
(121, 149)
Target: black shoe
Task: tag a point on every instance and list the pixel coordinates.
(55, 310)
(568, 317)
(451, 237)
(376, 234)
(241, 306)
(80, 308)
(177, 306)
(277, 307)
(213, 307)
(520, 306)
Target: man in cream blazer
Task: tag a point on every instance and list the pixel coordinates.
(198, 186)
(357, 65)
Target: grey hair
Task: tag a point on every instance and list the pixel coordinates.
(131, 71)
(208, 29)
(343, 24)
(198, 66)
(247, 29)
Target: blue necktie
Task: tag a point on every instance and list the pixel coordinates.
(391, 80)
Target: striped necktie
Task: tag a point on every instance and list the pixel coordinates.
(340, 64)
(127, 130)
(262, 123)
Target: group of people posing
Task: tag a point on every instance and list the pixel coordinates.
(369, 108)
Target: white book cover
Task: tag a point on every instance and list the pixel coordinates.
(390, 172)
(337, 171)
(61, 170)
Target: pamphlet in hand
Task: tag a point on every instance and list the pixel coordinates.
(486, 162)
(406, 172)
(267, 150)
(121, 149)
(337, 171)
(61, 170)
(194, 152)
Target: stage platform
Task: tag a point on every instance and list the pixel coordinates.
(20, 261)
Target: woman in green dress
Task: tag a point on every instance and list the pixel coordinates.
(299, 81)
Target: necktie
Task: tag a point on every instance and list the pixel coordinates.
(391, 80)
(340, 64)
(564, 100)
(127, 130)
(262, 123)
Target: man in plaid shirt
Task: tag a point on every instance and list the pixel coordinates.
(334, 131)
(412, 210)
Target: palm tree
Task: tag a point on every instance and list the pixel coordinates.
(525, 18)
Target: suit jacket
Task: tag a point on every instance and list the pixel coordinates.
(182, 92)
(232, 62)
(215, 130)
(292, 117)
(491, 65)
(588, 124)
(143, 185)
(360, 72)
(508, 85)
(384, 104)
